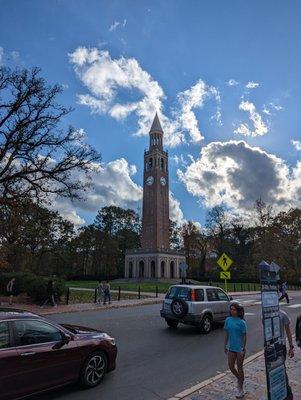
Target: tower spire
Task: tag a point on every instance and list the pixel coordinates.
(156, 125)
(156, 134)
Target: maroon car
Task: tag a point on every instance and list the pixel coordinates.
(37, 355)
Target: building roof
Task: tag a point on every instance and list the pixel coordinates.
(156, 126)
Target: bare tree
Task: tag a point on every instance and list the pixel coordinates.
(37, 157)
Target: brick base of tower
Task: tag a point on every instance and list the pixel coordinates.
(152, 264)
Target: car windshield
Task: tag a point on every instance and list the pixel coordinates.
(177, 292)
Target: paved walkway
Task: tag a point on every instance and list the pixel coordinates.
(222, 386)
(63, 308)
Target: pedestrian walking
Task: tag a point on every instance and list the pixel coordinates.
(100, 293)
(235, 345)
(298, 331)
(106, 293)
(50, 294)
(286, 331)
(11, 290)
(283, 291)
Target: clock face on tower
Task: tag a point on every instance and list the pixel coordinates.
(162, 181)
(150, 180)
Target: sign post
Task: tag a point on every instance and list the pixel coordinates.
(225, 262)
(273, 349)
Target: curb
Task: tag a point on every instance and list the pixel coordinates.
(201, 385)
(75, 310)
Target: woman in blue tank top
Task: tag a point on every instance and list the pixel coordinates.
(235, 344)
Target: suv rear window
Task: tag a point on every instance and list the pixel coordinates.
(177, 292)
(199, 295)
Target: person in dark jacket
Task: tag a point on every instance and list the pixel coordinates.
(298, 331)
(11, 290)
(50, 294)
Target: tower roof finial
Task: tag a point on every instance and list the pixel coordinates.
(156, 125)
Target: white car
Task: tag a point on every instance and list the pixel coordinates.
(200, 306)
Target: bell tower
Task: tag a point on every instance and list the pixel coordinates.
(155, 214)
(155, 259)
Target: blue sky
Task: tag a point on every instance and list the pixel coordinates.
(224, 76)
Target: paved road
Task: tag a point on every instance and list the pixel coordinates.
(155, 362)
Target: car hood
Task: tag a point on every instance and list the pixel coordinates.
(81, 330)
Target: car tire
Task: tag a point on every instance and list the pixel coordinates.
(93, 370)
(172, 323)
(206, 324)
(179, 308)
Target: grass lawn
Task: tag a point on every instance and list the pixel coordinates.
(81, 296)
(162, 285)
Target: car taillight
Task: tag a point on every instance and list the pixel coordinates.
(192, 295)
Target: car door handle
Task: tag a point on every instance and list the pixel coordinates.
(28, 353)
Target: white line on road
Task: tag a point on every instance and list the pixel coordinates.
(294, 306)
(249, 313)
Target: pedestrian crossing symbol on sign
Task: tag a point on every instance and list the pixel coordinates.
(225, 262)
(225, 275)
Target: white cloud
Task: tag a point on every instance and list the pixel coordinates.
(235, 174)
(260, 128)
(175, 212)
(15, 55)
(276, 107)
(105, 77)
(194, 98)
(232, 82)
(252, 85)
(112, 185)
(115, 25)
(296, 144)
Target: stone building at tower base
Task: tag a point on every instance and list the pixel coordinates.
(143, 263)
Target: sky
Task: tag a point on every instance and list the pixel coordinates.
(224, 77)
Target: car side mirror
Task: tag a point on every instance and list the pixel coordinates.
(231, 298)
(65, 340)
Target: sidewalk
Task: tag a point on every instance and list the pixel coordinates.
(222, 386)
(64, 308)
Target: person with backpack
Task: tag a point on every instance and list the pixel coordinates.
(235, 345)
(11, 290)
(50, 294)
(283, 291)
(106, 293)
(298, 331)
(100, 292)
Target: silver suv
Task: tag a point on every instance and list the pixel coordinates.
(195, 305)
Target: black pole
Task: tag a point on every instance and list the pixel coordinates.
(119, 293)
(139, 293)
(67, 296)
(234, 287)
(249, 287)
(95, 295)
(156, 291)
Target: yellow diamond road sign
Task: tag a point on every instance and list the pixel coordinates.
(225, 275)
(224, 262)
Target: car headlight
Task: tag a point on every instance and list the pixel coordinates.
(108, 338)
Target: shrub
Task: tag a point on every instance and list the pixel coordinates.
(34, 286)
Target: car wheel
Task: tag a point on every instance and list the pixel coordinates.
(172, 323)
(179, 308)
(93, 370)
(206, 324)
